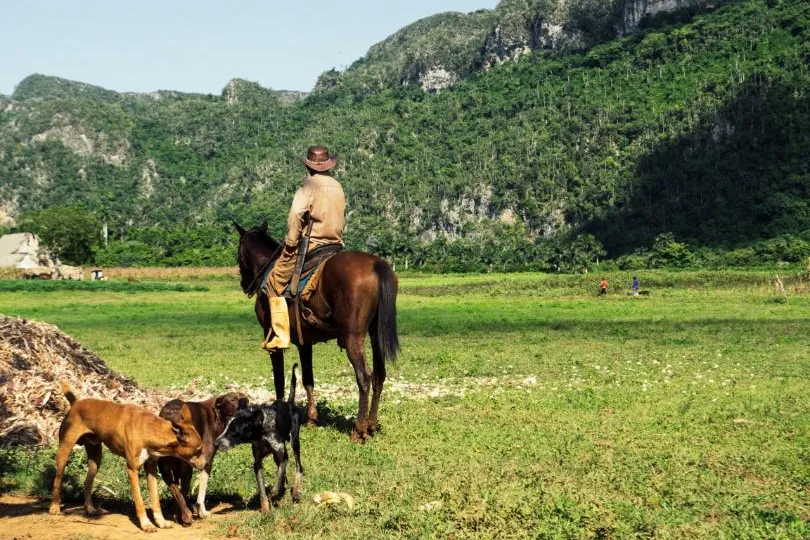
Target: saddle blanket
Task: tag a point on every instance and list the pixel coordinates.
(310, 275)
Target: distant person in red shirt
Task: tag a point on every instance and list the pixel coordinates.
(603, 287)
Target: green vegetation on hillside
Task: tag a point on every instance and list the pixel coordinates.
(699, 128)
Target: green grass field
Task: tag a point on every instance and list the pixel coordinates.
(521, 407)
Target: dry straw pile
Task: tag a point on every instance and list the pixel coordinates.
(33, 358)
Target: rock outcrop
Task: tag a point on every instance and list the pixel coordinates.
(438, 51)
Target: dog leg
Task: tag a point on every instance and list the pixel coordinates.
(280, 457)
(204, 474)
(185, 513)
(93, 463)
(295, 442)
(154, 496)
(178, 484)
(259, 472)
(67, 440)
(186, 472)
(135, 491)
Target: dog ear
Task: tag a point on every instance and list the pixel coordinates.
(185, 414)
(263, 226)
(243, 403)
(239, 228)
(180, 433)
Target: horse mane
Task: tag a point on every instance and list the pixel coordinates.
(255, 240)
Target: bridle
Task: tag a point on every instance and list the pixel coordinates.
(253, 288)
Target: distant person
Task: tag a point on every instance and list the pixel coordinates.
(603, 285)
(320, 198)
(635, 286)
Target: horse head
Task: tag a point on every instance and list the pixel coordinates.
(256, 250)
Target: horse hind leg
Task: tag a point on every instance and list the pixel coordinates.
(377, 381)
(356, 353)
(305, 354)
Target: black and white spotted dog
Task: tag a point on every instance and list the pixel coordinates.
(268, 428)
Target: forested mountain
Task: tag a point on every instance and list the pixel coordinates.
(697, 123)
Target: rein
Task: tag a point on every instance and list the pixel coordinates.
(254, 286)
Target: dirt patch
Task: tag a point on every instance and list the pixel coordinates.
(23, 518)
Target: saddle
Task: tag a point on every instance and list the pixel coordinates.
(313, 262)
(303, 285)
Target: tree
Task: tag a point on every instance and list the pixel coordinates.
(666, 251)
(69, 232)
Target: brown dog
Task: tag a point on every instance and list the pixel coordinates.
(131, 432)
(209, 418)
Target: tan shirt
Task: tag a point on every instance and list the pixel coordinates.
(323, 197)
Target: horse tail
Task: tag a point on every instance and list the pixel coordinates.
(387, 311)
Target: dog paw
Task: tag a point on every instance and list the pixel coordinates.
(92, 511)
(265, 509)
(184, 518)
(358, 437)
(148, 527)
(54, 510)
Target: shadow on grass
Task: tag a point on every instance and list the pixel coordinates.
(330, 417)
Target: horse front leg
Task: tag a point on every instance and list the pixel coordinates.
(277, 360)
(276, 357)
(305, 355)
(355, 350)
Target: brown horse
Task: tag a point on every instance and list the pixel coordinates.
(356, 295)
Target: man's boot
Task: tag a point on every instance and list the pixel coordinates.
(280, 321)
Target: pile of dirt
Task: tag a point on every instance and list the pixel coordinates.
(34, 357)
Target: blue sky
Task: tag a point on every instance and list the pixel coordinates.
(198, 46)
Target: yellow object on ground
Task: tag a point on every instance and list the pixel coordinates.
(334, 497)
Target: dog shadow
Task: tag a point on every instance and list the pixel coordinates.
(10, 510)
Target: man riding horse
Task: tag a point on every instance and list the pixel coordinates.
(319, 199)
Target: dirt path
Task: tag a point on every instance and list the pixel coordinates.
(23, 518)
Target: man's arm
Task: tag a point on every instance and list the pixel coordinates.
(302, 202)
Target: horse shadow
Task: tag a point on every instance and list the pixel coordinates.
(333, 418)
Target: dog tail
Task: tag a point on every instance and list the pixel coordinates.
(67, 389)
(293, 378)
